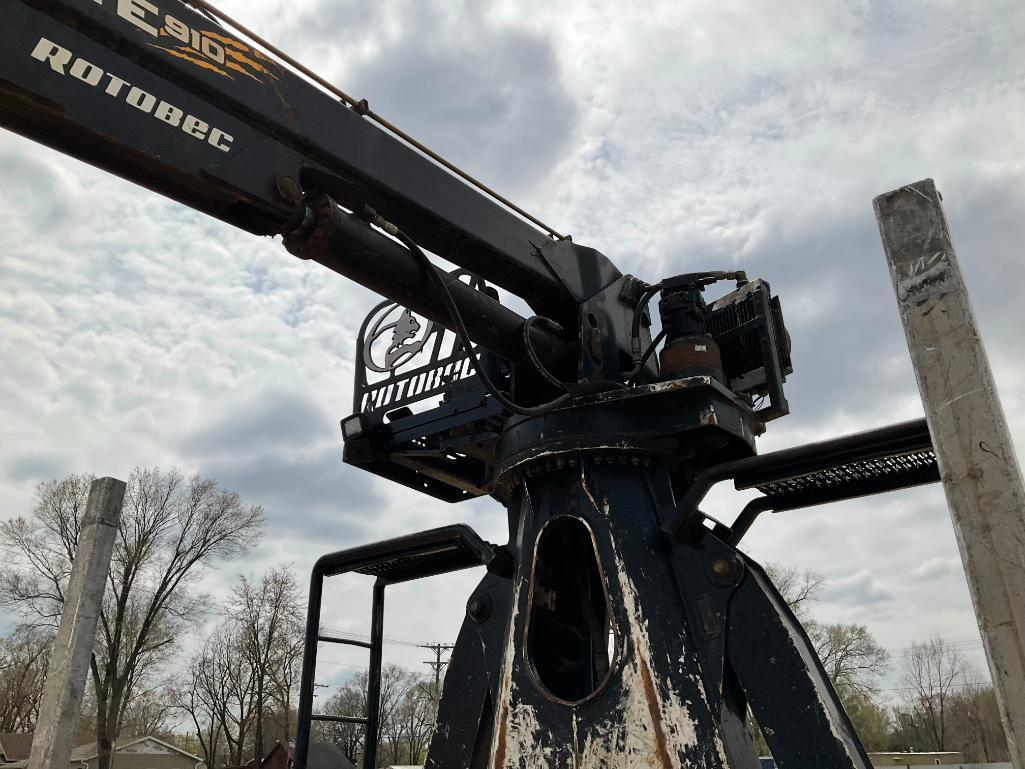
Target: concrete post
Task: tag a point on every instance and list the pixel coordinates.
(69, 663)
(981, 476)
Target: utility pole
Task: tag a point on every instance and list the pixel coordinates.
(61, 705)
(980, 473)
(437, 664)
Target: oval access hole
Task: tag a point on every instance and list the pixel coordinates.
(571, 638)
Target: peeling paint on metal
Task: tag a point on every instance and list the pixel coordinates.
(576, 741)
(604, 506)
(517, 740)
(709, 416)
(652, 731)
(650, 726)
(825, 704)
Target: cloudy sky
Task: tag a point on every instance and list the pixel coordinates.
(672, 136)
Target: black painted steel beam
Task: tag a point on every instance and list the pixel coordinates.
(156, 93)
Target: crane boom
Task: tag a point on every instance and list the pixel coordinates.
(156, 93)
(619, 625)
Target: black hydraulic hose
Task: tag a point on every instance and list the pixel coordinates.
(348, 245)
(528, 344)
(636, 372)
(457, 321)
(635, 333)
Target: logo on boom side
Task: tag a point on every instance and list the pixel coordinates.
(206, 49)
(65, 63)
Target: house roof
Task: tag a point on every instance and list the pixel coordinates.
(89, 750)
(15, 747)
(327, 755)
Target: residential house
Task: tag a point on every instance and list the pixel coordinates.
(129, 753)
(14, 747)
(322, 755)
(934, 758)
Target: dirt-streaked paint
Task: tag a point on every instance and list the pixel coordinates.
(652, 731)
(649, 727)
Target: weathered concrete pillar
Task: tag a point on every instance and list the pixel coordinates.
(69, 662)
(981, 476)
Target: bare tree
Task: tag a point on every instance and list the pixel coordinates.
(219, 697)
(24, 655)
(268, 616)
(798, 587)
(417, 715)
(852, 657)
(231, 680)
(931, 672)
(171, 528)
(349, 700)
(405, 721)
(199, 699)
(974, 725)
(242, 682)
(149, 712)
(395, 683)
(285, 679)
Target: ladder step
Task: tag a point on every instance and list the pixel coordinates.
(347, 641)
(338, 719)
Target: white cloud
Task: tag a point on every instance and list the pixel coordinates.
(670, 136)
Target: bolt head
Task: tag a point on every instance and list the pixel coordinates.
(725, 572)
(478, 608)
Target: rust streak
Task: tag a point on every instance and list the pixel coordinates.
(227, 40)
(235, 46)
(651, 697)
(500, 747)
(194, 60)
(246, 61)
(243, 70)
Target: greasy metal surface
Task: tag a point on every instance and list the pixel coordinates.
(690, 353)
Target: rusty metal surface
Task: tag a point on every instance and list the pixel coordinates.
(651, 712)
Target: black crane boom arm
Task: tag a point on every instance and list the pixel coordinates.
(156, 93)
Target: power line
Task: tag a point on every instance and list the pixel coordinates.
(961, 645)
(342, 664)
(437, 663)
(367, 637)
(900, 651)
(951, 686)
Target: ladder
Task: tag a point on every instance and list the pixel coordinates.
(402, 559)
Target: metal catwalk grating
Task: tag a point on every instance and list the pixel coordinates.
(415, 565)
(887, 471)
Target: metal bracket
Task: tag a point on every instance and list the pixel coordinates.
(888, 458)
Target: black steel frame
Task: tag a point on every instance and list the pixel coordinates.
(415, 556)
(885, 459)
(295, 162)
